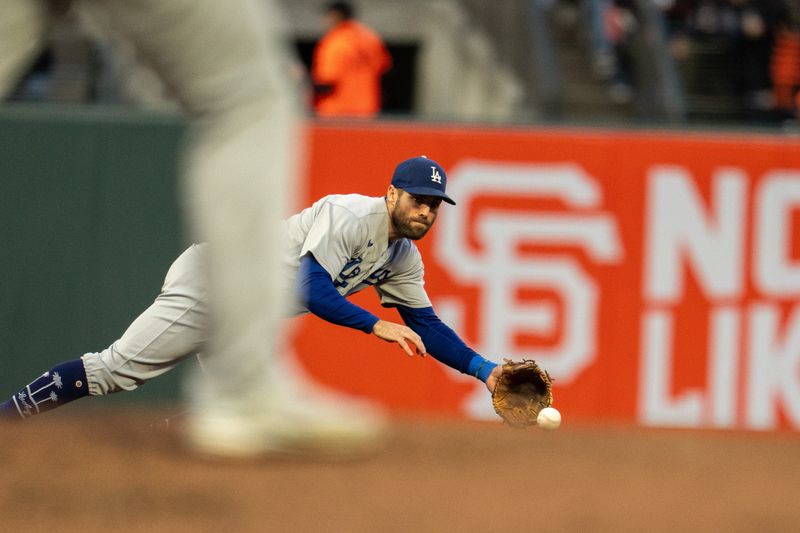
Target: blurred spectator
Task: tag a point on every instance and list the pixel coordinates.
(620, 26)
(759, 22)
(347, 66)
(785, 71)
(676, 18)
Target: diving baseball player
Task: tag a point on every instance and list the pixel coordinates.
(340, 245)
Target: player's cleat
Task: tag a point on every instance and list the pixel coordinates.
(311, 428)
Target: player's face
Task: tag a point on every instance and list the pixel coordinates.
(412, 215)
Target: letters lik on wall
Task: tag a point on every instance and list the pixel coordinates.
(655, 275)
(89, 228)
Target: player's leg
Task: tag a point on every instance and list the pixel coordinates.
(172, 328)
(22, 28)
(216, 58)
(221, 60)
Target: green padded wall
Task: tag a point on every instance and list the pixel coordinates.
(89, 224)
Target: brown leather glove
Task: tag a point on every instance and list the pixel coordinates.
(522, 390)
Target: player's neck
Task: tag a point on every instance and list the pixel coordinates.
(393, 235)
(392, 231)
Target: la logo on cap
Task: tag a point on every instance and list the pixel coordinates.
(435, 176)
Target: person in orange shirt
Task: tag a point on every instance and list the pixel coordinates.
(347, 66)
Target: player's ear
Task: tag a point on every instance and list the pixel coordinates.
(391, 195)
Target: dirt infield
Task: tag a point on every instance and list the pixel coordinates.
(108, 471)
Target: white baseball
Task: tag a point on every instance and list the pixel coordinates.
(549, 418)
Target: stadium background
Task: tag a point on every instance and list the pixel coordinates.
(660, 322)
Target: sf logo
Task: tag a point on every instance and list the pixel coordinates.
(500, 270)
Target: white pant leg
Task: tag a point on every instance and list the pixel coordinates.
(171, 329)
(218, 60)
(22, 27)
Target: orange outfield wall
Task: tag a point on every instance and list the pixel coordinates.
(653, 274)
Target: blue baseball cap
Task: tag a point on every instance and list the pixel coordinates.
(421, 176)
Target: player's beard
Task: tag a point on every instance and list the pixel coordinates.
(410, 228)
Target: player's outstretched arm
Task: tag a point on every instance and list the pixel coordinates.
(317, 292)
(444, 344)
(402, 335)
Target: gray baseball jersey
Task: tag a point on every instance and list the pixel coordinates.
(348, 236)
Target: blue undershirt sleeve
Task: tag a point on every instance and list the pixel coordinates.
(444, 344)
(316, 291)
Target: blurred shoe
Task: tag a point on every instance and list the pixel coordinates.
(340, 429)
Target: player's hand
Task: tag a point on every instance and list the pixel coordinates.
(402, 335)
(491, 381)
